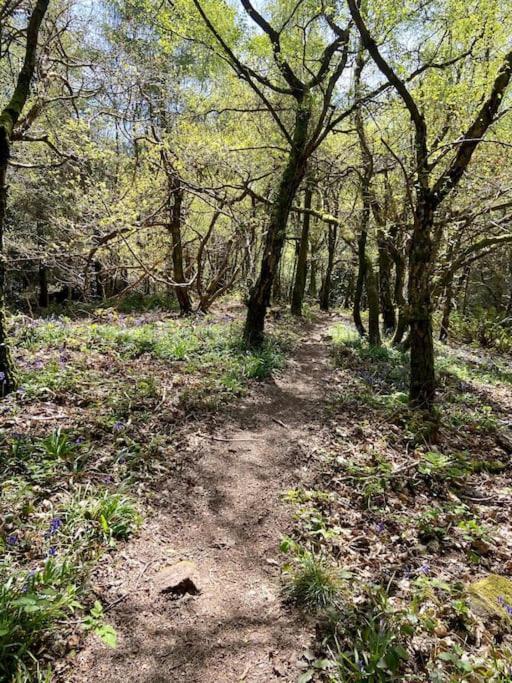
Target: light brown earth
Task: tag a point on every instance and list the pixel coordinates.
(227, 517)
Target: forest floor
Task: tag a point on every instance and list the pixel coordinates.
(227, 517)
(295, 522)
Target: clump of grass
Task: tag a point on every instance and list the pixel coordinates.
(371, 651)
(311, 582)
(115, 515)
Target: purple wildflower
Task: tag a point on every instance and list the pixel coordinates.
(118, 426)
(2, 376)
(380, 527)
(505, 605)
(79, 440)
(12, 539)
(425, 568)
(55, 525)
(52, 552)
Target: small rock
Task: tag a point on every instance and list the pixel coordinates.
(180, 579)
(441, 631)
(481, 547)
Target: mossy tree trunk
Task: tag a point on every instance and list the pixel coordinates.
(360, 280)
(325, 290)
(175, 230)
(422, 384)
(8, 119)
(400, 301)
(385, 284)
(299, 286)
(293, 174)
(372, 292)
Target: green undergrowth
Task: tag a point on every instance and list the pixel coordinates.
(55, 528)
(483, 329)
(98, 416)
(384, 546)
(369, 629)
(212, 351)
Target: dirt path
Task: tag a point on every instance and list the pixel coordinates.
(227, 520)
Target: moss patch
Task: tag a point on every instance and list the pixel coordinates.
(492, 596)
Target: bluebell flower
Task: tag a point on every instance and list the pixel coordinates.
(425, 568)
(380, 527)
(118, 426)
(505, 605)
(12, 539)
(55, 525)
(52, 552)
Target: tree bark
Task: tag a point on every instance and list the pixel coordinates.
(447, 309)
(386, 299)
(8, 119)
(399, 297)
(291, 179)
(361, 276)
(372, 292)
(349, 291)
(422, 383)
(175, 224)
(325, 290)
(302, 260)
(313, 267)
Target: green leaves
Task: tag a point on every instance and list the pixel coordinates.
(95, 623)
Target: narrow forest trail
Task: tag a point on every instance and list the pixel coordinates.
(227, 520)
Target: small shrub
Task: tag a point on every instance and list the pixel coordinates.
(484, 329)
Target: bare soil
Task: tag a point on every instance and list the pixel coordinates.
(226, 516)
